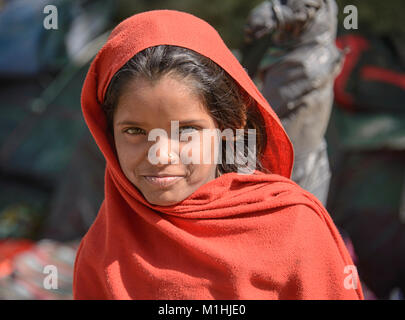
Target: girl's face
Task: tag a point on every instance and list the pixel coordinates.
(144, 106)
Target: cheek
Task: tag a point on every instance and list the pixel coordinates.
(209, 148)
(129, 154)
(197, 150)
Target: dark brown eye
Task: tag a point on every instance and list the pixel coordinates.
(135, 131)
(188, 129)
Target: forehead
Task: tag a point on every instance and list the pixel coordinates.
(167, 97)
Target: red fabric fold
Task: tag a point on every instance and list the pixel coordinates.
(256, 236)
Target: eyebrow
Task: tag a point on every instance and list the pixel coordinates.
(140, 124)
(129, 123)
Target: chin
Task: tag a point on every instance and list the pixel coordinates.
(164, 200)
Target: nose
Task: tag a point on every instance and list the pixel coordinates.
(167, 153)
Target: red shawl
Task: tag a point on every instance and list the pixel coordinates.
(256, 236)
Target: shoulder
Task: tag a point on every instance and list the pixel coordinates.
(88, 282)
(311, 249)
(299, 215)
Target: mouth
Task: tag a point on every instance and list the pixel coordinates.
(162, 181)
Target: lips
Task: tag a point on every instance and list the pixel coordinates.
(163, 181)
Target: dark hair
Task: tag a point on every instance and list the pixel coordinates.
(224, 99)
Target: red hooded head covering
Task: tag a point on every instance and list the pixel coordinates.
(256, 236)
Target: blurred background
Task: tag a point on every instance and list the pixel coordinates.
(52, 173)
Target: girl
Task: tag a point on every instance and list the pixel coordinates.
(177, 230)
